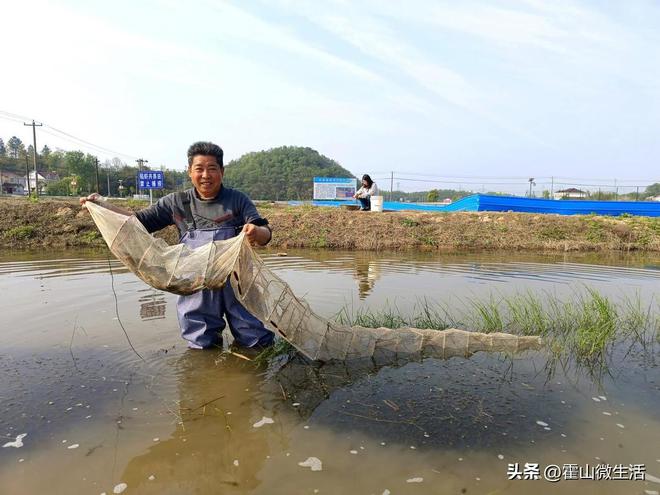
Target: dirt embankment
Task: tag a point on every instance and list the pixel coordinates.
(56, 224)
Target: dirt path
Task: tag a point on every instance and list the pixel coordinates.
(57, 224)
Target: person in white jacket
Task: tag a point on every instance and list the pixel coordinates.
(363, 195)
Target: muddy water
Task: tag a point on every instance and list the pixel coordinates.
(98, 416)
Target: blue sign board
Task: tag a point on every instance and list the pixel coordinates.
(342, 188)
(150, 179)
(339, 180)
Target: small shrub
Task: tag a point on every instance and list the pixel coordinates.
(90, 237)
(595, 231)
(552, 232)
(20, 233)
(409, 222)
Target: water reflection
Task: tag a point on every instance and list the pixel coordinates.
(367, 272)
(152, 304)
(485, 400)
(214, 447)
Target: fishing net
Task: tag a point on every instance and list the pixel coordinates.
(183, 270)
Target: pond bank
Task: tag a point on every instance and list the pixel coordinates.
(54, 223)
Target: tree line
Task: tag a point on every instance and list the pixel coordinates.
(72, 173)
(278, 174)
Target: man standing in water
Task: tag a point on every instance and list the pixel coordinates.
(205, 213)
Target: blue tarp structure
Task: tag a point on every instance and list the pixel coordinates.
(485, 202)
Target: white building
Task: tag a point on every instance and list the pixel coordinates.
(42, 182)
(12, 183)
(570, 193)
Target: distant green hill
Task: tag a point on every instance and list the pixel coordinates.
(281, 173)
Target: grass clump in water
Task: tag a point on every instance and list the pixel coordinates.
(279, 348)
(596, 320)
(527, 314)
(487, 316)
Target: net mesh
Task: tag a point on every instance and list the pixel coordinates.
(183, 270)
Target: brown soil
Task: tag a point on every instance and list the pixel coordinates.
(55, 224)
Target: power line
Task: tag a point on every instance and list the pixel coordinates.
(107, 150)
(91, 148)
(58, 133)
(525, 178)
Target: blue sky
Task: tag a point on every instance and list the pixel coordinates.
(453, 92)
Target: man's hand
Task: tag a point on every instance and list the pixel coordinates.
(100, 200)
(256, 235)
(94, 198)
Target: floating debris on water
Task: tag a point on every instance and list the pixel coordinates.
(73, 446)
(18, 443)
(595, 399)
(542, 423)
(415, 480)
(607, 413)
(236, 462)
(620, 425)
(650, 477)
(314, 463)
(354, 452)
(151, 477)
(500, 456)
(263, 421)
(119, 488)
(602, 397)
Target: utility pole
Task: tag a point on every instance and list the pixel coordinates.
(140, 162)
(107, 176)
(96, 162)
(27, 175)
(34, 156)
(616, 191)
(391, 185)
(531, 183)
(552, 187)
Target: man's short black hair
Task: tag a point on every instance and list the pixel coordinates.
(205, 148)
